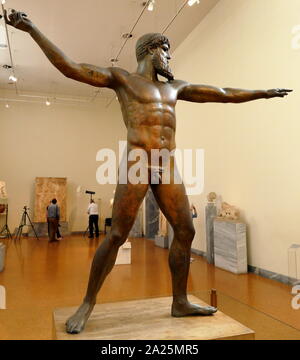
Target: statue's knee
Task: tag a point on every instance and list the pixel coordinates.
(116, 238)
(185, 233)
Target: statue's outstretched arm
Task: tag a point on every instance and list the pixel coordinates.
(93, 75)
(204, 93)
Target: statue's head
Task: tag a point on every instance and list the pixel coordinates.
(157, 46)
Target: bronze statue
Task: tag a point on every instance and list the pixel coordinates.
(148, 107)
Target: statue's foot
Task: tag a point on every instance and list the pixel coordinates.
(188, 309)
(75, 324)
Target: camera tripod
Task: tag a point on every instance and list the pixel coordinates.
(5, 230)
(25, 216)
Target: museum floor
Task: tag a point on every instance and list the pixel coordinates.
(39, 277)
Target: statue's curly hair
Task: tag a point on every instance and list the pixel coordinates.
(152, 40)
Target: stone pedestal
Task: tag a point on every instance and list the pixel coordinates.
(162, 241)
(150, 319)
(294, 264)
(210, 214)
(124, 254)
(230, 245)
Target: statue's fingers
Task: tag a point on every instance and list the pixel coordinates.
(7, 20)
(12, 16)
(18, 17)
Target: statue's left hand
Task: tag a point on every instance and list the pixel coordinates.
(18, 20)
(278, 93)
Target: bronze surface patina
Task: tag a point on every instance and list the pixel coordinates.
(148, 108)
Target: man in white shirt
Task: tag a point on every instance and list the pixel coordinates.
(93, 219)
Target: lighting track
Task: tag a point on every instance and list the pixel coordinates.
(164, 30)
(116, 58)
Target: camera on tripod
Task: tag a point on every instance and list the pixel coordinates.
(25, 216)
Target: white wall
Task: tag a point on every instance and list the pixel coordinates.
(252, 149)
(57, 141)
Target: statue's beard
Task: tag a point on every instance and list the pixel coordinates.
(161, 66)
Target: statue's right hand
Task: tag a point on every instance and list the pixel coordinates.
(18, 20)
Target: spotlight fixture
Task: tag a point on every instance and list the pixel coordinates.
(113, 61)
(48, 103)
(7, 106)
(192, 2)
(151, 5)
(12, 78)
(127, 36)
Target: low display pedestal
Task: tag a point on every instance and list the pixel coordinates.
(230, 245)
(150, 319)
(162, 241)
(124, 254)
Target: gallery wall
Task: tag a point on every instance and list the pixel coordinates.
(57, 141)
(251, 149)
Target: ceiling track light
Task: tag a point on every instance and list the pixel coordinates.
(127, 36)
(114, 61)
(192, 2)
(13, 78)
(48, 103)
(7, 106)
(151, 5)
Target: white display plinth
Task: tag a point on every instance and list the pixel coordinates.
(124, 254)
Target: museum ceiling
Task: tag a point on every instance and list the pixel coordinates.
(89, 31)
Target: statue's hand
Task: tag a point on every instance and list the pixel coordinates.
(18, 20)
(277, 93)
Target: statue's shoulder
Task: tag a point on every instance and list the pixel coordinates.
(120, 75)
(178, 84)
(119, 71)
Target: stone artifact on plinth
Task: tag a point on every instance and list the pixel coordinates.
(210, 214)
(46, 189)
(148, 107)
(3, 192)
(230, 241)
(4, 232)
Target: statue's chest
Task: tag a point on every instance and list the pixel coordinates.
(147, 91)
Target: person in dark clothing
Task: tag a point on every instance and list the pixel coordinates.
(53, 214)
(93, 219)
(58, 235)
